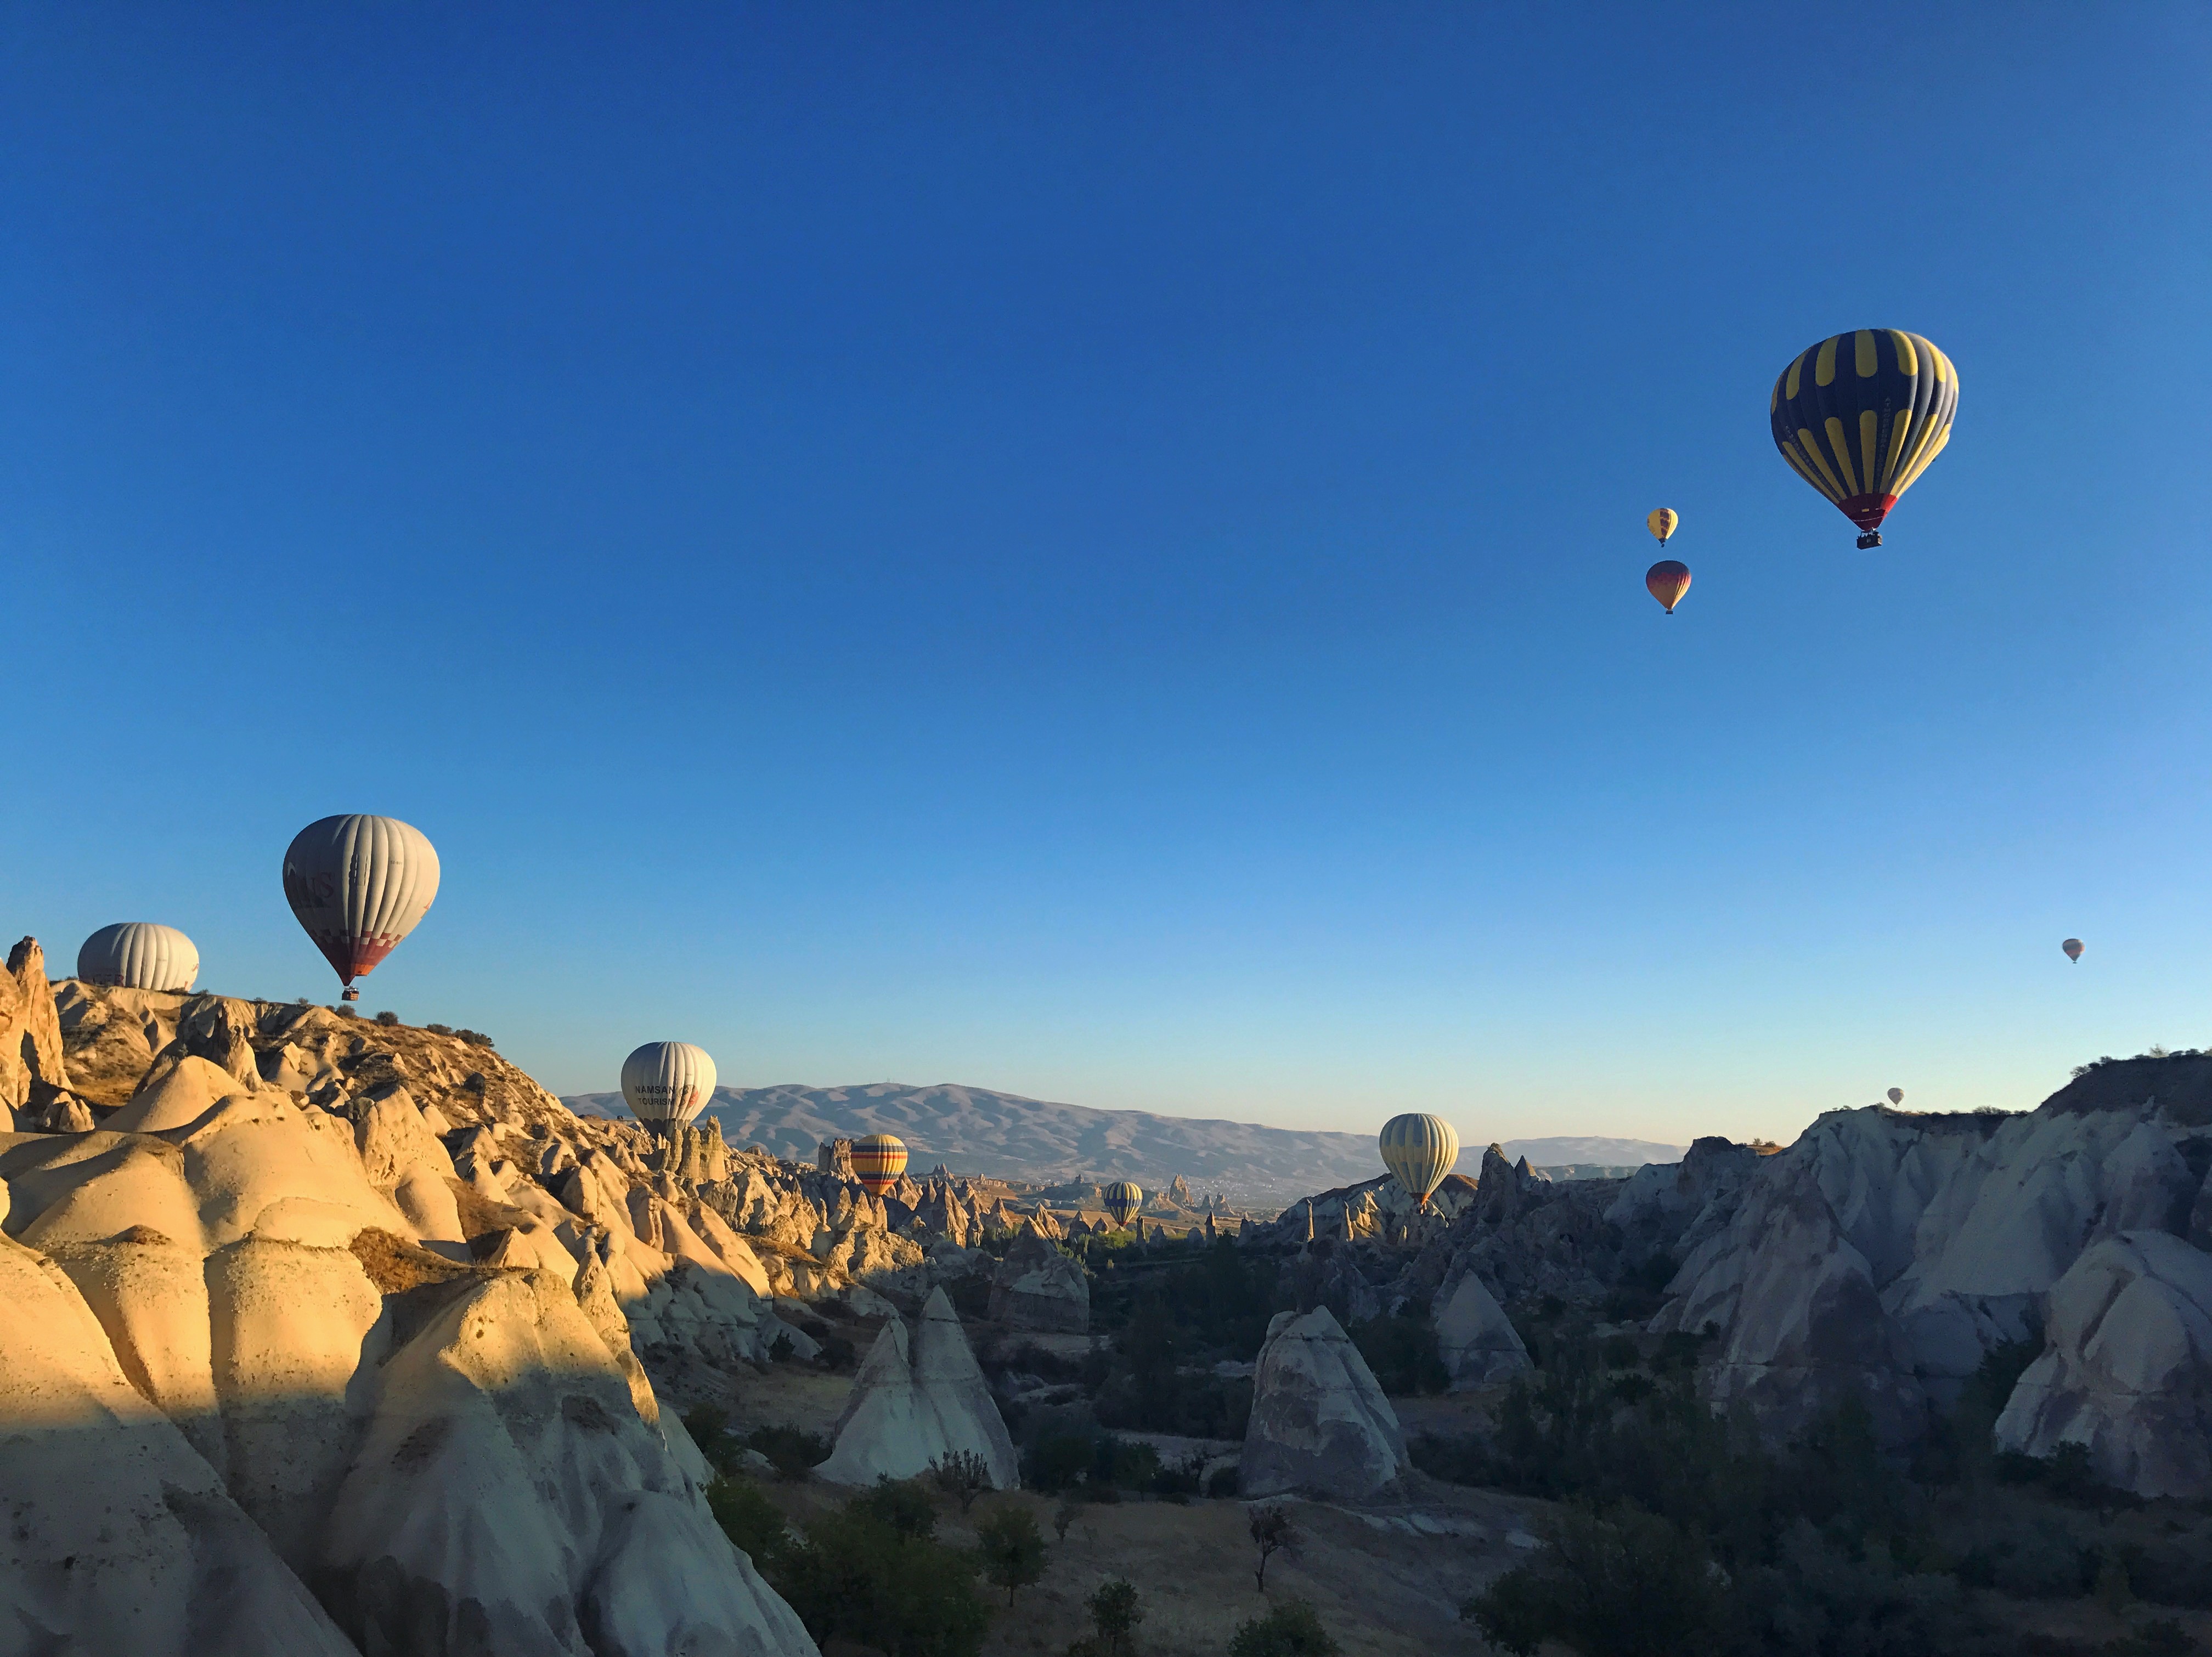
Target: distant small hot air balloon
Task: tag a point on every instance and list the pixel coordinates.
(1661, 523)
(1860, 416)
(2073, 948)
(358, 885)
(878, 1162)
(1897, 1095)
(1667, 579)
(1122, 1199)
(666, 1084)
(1420, 1150)
(139, 954)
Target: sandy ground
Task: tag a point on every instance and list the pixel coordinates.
(1381, 1584)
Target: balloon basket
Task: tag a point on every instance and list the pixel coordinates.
(350, 995)
(1871, 538)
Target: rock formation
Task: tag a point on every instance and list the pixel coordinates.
(2129, 1369)
(1038, 1287)
(919, 1398)
(1477, 1343)
(1319, 1421)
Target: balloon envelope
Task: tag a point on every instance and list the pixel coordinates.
(2073, 948)
(358, 885)
(878, 1162)
(1668, 581)
(139, 954)
(1661, 523)
(1122, 1199)
(1860, 416)
(1420, 1150)
(1897, 1095)
(666, 1084)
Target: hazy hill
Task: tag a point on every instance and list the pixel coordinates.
(980, 1131)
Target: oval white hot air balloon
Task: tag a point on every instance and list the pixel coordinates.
(1420, 1150)
(666, 1084)
(358, 885)
(1897, 1095)
(139, 954)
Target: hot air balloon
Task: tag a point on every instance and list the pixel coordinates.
(2073, 948)
(1859, 417)
(878, 1162)
(1122, 1199)
(1661, 523)
(1667, 579)
(1897, 1095)
(139, 954)
(1420, 1150)
(358, 885)
(666, 1084)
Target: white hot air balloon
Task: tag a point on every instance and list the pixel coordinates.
(1897, 1095)
(358, 885)
(666, 1084)
(1420, 1150)
(139, 954)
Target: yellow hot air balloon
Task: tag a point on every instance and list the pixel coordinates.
(1662, 523)
(1420, 1150)
(878, 1161)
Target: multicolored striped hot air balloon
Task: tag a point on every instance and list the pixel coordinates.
(1420, 1150)
(1122, 1199)
(2072, 946)
(1668, 581)
(1860, 416)
(666, 1084)
(878, 1161)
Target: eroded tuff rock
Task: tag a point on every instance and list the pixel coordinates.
(1319, 1420)
(1477, 1341)
(2128, 1371)
(919, 1398)
(1038, 1287)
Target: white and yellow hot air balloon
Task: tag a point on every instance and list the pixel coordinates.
(1420, 1150)
(666, 1084)
(1662, 523)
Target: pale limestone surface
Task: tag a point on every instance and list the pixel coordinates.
(916, 1399)
(1478, 1342)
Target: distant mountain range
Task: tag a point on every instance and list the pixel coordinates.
(980, 1131)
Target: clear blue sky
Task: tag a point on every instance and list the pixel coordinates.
(1098, 551)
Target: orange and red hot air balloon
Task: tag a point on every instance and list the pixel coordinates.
(878, 1161)
(1668, 580)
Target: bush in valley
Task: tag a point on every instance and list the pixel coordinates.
(962, 1475)
(1115, 1613)
(1403, 1354)
(439, 1029)
(789, 1451)
(1221, 1482)
(709, 1427)
(389, 1020)
(1012, 1547)
(1149, 1383)
(748, 1518)
(873, 1572)
(1293, 1628)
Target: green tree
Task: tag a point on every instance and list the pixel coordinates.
(1116, 1612)
(748, 1518)
(1272, 1532)
(1633, 1585)
(1012, 1549)
(858, 1576)
(1291, 1628)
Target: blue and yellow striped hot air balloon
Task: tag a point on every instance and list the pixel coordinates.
(1859, 417)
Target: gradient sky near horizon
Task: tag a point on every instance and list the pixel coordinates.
(1098, 551)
